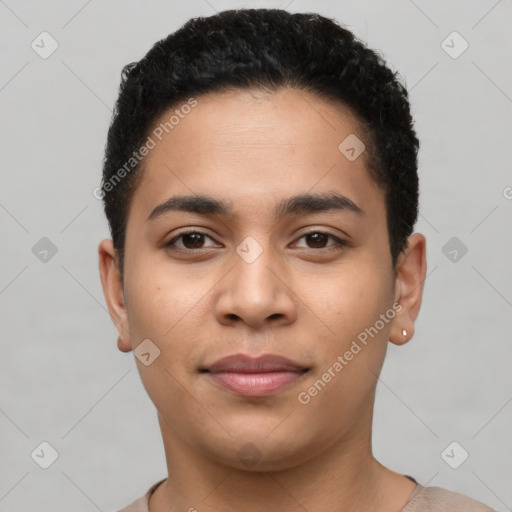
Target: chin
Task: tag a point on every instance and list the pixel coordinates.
(266, 449)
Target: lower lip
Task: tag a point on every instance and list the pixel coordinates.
(256, 384)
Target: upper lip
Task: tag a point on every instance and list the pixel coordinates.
(242, 363)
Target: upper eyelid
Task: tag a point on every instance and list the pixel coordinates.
(184, 233)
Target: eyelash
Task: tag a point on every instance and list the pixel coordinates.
(340, 244)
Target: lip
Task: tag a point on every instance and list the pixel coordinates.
(255, 376)
(242, 363)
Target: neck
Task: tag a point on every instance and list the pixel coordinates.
(343, 477)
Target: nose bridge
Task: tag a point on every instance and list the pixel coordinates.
(254, 290)
(252, 268)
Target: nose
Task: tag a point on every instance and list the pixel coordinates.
(256, 293)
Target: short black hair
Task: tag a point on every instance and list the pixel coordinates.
(266, 49)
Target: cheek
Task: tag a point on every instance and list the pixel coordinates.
(351, 298)
(161, 312)
(159, 300)
(167, 309)
(351, 307)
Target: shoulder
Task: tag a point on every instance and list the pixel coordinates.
(435, 499)
(142, 504)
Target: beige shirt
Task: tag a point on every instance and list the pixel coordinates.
(423, 499)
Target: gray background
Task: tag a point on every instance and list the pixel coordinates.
(62, 379)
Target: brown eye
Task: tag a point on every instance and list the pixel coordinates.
(319, 240)
(188, 241)
(193, 240)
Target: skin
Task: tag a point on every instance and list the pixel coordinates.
(302, 298)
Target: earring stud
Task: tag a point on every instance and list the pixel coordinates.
(404, 332)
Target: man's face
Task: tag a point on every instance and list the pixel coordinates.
(302, 283)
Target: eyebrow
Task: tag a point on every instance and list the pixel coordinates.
(303, 203)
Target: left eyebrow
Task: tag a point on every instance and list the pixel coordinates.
(311, 203)
(303, 203)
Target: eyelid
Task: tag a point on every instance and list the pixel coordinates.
(188, 231)
(327, 231)
(339, 242)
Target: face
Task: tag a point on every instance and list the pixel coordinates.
(285, 254)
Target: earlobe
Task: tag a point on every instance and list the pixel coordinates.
(113, 292)
(410, 277)
(122, 345)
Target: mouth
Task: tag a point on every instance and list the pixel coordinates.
(255, 376)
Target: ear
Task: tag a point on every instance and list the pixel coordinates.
(410, 277)
(113, 291)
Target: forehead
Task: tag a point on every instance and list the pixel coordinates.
(252, 149)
